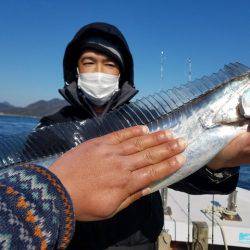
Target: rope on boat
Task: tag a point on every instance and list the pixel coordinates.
(213, 211)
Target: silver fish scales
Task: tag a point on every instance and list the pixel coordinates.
(208, 113)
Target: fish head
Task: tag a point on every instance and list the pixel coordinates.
(228, 105)
(233, 106)
(244, 106)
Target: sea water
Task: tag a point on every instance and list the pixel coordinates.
(10, 125)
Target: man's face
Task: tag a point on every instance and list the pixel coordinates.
(91, 61)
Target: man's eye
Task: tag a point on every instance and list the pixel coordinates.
(110, 64)
(88, 63)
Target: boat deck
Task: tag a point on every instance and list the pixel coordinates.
(237, 233)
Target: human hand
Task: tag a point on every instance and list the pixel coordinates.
(106, 174)
(237, 152)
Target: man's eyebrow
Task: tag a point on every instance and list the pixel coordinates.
(86, 57)
(110, 60)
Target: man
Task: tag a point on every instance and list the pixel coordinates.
(98, 74)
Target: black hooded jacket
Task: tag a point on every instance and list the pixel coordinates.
(72, 53)
(143, 220)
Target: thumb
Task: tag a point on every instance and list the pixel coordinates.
(129, 200)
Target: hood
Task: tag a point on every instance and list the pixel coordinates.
(72, 53)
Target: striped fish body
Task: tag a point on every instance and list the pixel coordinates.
(208, 124)
(208, 113)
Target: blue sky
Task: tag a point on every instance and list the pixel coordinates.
(34, 35)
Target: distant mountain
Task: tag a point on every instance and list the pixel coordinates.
(6, 103)
(37, 109)
(5, 106)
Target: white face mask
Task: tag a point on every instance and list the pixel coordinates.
(98, 87)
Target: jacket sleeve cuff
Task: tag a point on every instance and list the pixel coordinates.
(41, 204)
(206, 181)
(220, 175)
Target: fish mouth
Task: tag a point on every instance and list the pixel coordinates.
(241, 123)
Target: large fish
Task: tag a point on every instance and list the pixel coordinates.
(208, 112)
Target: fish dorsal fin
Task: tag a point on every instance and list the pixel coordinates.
(154, 106)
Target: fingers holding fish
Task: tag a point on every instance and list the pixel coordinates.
(138, 182)
(237, 152)
(154, 154)
(140, 143)
(125, 134)
(144, 177)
